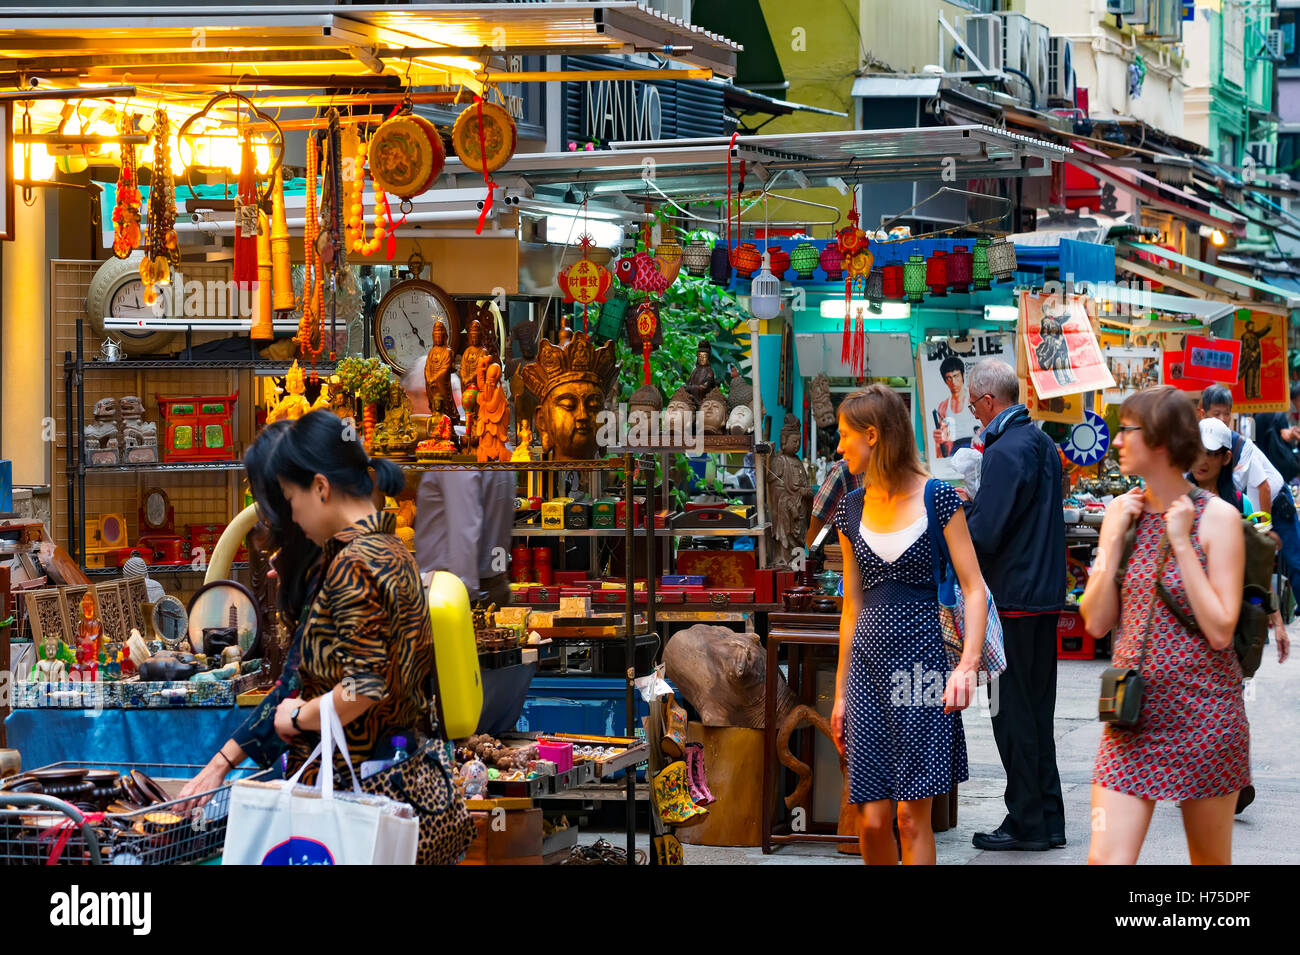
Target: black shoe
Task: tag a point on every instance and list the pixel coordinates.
(1056, 840)
(1244, 799)
(998, 840)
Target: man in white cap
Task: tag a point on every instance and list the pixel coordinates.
(136, 567)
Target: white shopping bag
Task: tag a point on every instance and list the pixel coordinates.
(284, 823)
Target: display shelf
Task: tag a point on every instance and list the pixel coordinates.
(197, 364)
(640, 531)
(159, 569)
(163, 467)
(711, 444)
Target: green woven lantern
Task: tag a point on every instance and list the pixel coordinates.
(803, 259)
(980, 273)
(914, 278)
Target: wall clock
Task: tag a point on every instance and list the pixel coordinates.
(116, 290)
(404, 322)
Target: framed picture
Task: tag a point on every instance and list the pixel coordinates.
(136, 593)
(48, 614)
(941, 371)
(7, 159)
(112, 612)
(1134, 370)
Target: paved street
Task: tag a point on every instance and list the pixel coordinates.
(1267, 833)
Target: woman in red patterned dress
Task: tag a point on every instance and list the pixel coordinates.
(1192, 741)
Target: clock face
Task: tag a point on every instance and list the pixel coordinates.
(127, 301)
(405, 320)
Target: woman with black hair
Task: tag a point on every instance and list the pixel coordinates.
(293, 561)
(367, 640)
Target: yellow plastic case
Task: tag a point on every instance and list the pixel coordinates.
(460, 684)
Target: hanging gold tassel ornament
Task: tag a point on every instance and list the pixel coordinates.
(281, 274)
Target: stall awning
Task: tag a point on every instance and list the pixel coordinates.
(1152, 191)
(1204, 310)
(1291, 298)
(93, 43)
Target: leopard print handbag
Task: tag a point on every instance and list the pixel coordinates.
(425, 782)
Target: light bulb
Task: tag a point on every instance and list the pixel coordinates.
(765, 293)
(1217, 237)
(42, 162)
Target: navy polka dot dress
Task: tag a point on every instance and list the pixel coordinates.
(901, 744)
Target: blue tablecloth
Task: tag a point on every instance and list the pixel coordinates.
(184, 736)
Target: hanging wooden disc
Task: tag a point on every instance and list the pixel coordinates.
(497, 142)
(406, 155)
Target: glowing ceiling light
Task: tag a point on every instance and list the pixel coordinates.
(1217, 237)
(42, 163)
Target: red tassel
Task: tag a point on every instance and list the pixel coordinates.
(245, 270)
(859, 348)
(846, 344)
(487, 177)
(645, 361)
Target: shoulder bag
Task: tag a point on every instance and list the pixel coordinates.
(1120, 701)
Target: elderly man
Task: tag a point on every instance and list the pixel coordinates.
(1019, 535)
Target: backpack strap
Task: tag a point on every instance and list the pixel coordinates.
(1238, 445)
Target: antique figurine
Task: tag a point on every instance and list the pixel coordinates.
(819, 394)
(702, 379)
(324, 399)
(570, 384)
(524, 401)
(523, 442)
(139, 437)
(437, 375)
(789, 495)
(441, 443)
(739, 391)
(741, 420)
(52, 659)
(469, 360)
(565, 336)
(396, 434)
(680, 417)
(713, 412)
(492, 423)
(643, 409)
(294, 404)
(86, 669)
(102, 437)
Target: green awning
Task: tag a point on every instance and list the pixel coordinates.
(743, 22)
(1291, 298)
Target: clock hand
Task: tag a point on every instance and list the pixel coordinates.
(418, 338)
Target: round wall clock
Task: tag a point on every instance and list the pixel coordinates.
(404, 322)
(116, 290)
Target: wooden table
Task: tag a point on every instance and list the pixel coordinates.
(798, 632)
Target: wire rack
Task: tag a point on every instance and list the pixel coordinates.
(43, 829)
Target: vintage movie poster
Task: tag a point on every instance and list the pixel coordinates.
(1060, 346)
(942, 370)
(1134, 369)
(1263, 384)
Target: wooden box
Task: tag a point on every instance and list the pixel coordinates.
(512, 838)
(577, 516)
(720, 596)
(198, 428)
(553, 515)
(604, 512)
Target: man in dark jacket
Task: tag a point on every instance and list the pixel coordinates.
(1019, 534)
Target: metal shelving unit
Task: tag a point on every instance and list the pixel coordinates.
(261, 366)
(155, 570)
(162, 466)
(641, 531)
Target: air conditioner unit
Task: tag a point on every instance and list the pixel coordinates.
(1167, 23)
(1121, 8)
(1039, 56)
(1060, 70)
(1275, 45)
(1015, 42)
(1141, 14)
(1263, 152)
(984, 40)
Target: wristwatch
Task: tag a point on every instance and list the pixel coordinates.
(294, 719)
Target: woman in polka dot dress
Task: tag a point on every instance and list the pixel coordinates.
(1192, 741)
(896, 715)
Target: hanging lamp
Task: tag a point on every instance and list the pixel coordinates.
(765, 293)
(778, 261)
(803, 259)
(1002, 259)
(960, 264)
(936, 273)
(914, 278)
(832, 261)
(695, 258)
(981, 277)
(891, 280)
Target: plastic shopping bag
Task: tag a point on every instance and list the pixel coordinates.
(285, 823)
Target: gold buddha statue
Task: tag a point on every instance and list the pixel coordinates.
(570, 384)
(294, 404)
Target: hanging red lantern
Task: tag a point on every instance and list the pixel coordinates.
(936, 272)
(832, 261)
(892, 282)
(960, 268)
(647, 325)
(746, 259)
(778, 261)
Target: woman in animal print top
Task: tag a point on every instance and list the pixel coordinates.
(367, 638)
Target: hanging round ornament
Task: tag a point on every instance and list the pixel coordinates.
(695, 258)
(484, 138)
(584, 281)
(746, 259)
(1088, 440)
(405, 155)
(804, 260)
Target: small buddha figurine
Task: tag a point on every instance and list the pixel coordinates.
(52, 659)
(523, 443)
(492, 423)
(473, 355)
(679, 419)
(323, 400)
(702, 379)
(440, 444)
(396, 433)
(294, 404)
(437, 375)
